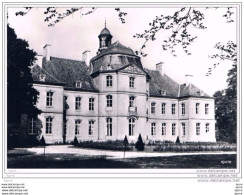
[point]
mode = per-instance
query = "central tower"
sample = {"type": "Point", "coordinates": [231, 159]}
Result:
{"type": "Point", "coordinates": [105, 39]}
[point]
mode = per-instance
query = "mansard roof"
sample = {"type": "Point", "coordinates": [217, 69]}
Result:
{"type": "Point", "coordinates": [115, 48]}
{"type": "Point", "coordinates": [159, 83]}
{"type": "Point", "coordinates": [65, 71]}
{"type": "Point", "coordinates": [163, 83]}
{"type": "Point", "coordinates": [192, 91]}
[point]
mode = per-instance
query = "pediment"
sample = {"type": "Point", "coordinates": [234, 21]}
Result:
{"type": "Point", "coordinates": [132, 69]}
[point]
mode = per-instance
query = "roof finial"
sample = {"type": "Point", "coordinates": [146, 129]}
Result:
{"type": "Point", "coordinates": [105, 22]}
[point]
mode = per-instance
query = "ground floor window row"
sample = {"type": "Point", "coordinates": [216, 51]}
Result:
{"type": "Point", "coordinates": [182, 128]}
{"type": "Point", "coordinates": [109, 127]}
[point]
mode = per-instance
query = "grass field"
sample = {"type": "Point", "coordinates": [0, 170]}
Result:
{"type": "Point", "coordinates": [28, 160]}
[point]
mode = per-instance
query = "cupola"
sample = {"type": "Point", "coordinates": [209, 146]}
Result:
{"type": "Point", "coordinates": [105, 39]}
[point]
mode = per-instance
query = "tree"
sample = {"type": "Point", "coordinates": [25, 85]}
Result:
{"type": "Point", "coordinates": [76, 143]}
{"type": "Point", "coordinates": [226, 100]}
{"type": "Point", "coordinates": [21, 94]}
{"type": "Point", "coordinates": [177, 140]}
{"type": "Point", "coordinates": [139, 144]}
{"type": "Point", "coordinates": [179, 23]}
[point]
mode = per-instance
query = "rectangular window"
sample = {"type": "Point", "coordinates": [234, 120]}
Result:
{"type": "Point", "coordinates": [109, 79]}
{"type": "Point", "coordinates": [109, 101]}
{"type": "Point", "coordinates": [132, 82]}
{"type": "Point", "coordinates": [77, 127]}
{"type": "Point", "coordinates": [197, 128]}
{"type": "Point", "coordinates": [131, 101]}
{"type": "Point", "coordinates": [207, 127]}
{"type": "Point", "coordinates": [131, 126]}
{"type": "Point", "coordinates": [163, 108]}
{"type": "Point", "coordinates": [109, 126]}
{"type": "Point", "coordinates": [173, 128]}
{"type": "Point", "coordinates": [197, 108]}
{"type": "Point", "coordinates": [78, 103]}
{"type": "Point", "coordinates": [91, 128]}
{"type": "Point", "coordinates": [49, 100]}
{"type": "Point", "coordinates": [153, 104]}
{"type": "Point", "coordinates": [173, 109]}
{"type": "Point", "coordinates": [91, 103]}
{"type": "Point", "coordinates": [206, 108]}
{"type": "Point", "coordinates": [153, 128]}
{"type": "Point", "coordinates": [49, 125]}
{"type": "Point", "coordinates": [31, 126]}
{"type": "Point", "coordinates": [163, 128]}
{"type": "Point", "coordinates": [183, 129]}
{"type": "Point", "coordinates": [183, 109]}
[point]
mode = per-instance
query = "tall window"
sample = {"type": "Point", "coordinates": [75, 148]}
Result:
{"type": "Point", "coordinates": [31, 126]}
{"type": "Point", "coordinates": [183, 109]}
{"type": "Point", "coordinates": [207, 127]}
{"type": "Point", "coordinates": [49, 99]}
{"type": "Point", "coordinates": [77, 103]}
{"type": "Point", "coordinates": [91, 103]}
{"type": "Point", "coordinates": [109, 126]}
{"type": "Point", "coordinates": [131, 126]}
{"type": "Point", "coordinates": [77, 127]}
{"type": "Point", "coordinates": [163, 108]}
{"type": "Point", "coordinates": [153, 109]}
{"type": "Point", "coordinates": [173, 128]}
{"type": "Point", "coordinates": [197, 128]}
{"type": "Point", "coordinates": [197, 108]}
{"type": "Point", "coordinates": [163, 128]}
{"type": "Point", "coordinates": [206, 108]}
{"type": "Point", "coordinates": [109, 101]}
{"type": "Point", "coordinates": [109, 80]}
{"type": "Point", "coordinates": [132, 82]}
{"type": "Point", "coordinates": [183, 129]}
{"type": "Point", "coordinates": [173, 108]}
{"type": "Point", "coordinates": [131, 101]}
{"type": "Point", "coordinates": [153, 128]}
{"type": "Point", "coordinates": [91, 127]}
{"type": "Point", "coordinates": [49, 125]}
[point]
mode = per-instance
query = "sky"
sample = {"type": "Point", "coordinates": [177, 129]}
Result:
{"type": "Point", "coordinates": [77, 33]}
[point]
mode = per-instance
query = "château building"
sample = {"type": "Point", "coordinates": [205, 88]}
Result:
{"type": "Point", "coordinates": [113, 95]}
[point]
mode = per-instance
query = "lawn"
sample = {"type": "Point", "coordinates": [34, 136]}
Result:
{"type": "Point", "coordinates": [52, 161]}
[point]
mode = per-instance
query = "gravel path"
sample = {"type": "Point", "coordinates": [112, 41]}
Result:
{"type": "Point", "coordinates": [69, 149]}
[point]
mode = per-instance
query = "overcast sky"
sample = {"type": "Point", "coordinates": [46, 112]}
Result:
{"type": "Point", "coordinates": [77, 33]}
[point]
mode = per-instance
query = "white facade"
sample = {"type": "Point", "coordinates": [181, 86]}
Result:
{"type": "Point", "coordinates": [122, 106]}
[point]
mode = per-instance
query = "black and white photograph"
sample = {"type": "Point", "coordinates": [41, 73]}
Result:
{"type": "Point", "coordinates": [121, 87]}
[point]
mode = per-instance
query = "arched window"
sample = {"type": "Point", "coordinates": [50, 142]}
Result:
{"type": "Point", "coordinates": [109, 81]}
{"type": "Point", "coordinates": [131, 126]}
{"type": "Point", "coordinates": [109, 126]}
{"type": "Point", "coordinates": [109, 100]}
{"type": "Point", "coordinates": [131, 101]}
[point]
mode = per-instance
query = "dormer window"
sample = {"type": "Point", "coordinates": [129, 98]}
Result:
{"type": "Point", "coordinates": [42, 77]}
{"type": "Point", "coordinates": [198, 92]}
{"type": "Point", "coordinates": [162, 92]}
{"type": "Point", "coordinates": [109, 67]}
{"type": "Point", "coordinates": [78, 84]}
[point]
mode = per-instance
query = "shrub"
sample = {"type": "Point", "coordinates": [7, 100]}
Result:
{"type": "Point", "coordinates": [42, 142]}
{"type": "Point", "coordinates": [139, 144]}
{"type": "Point", "coordinates": [126, 143]}
{"type": "Point", "coordinates": [177, 140]}
{"type": "Point", "coordinates": [117, 145]}
{"type": "Point", "coordinates": [76, 143]}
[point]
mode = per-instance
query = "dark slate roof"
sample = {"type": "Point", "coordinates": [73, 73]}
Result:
{"type": "Point", "coordinates": [115, 48]}
{"type": "Point", "coordinates": [162, 82]}
{"type": "Point", "coordinates": [192, 90]}
{"type": "Point", "coordinates": [65, 71]}
{"type": "Point", "coordinates": [105, 31]}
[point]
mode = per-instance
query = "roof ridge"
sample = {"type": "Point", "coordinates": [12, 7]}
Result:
{"type": "Point", "coordinates": [66, 59]}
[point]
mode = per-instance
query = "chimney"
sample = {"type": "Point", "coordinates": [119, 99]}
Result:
{"type": "Point", "coordinates": [39, 60]}
{"type": "Point", "coordinates": [86, 57]}
{"type": "Point", "coordinates": [188, 79]}
{"type": "Point", "coordinates": [159, 68]}
{"type": "Point", "coordinates": [47, 52]}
